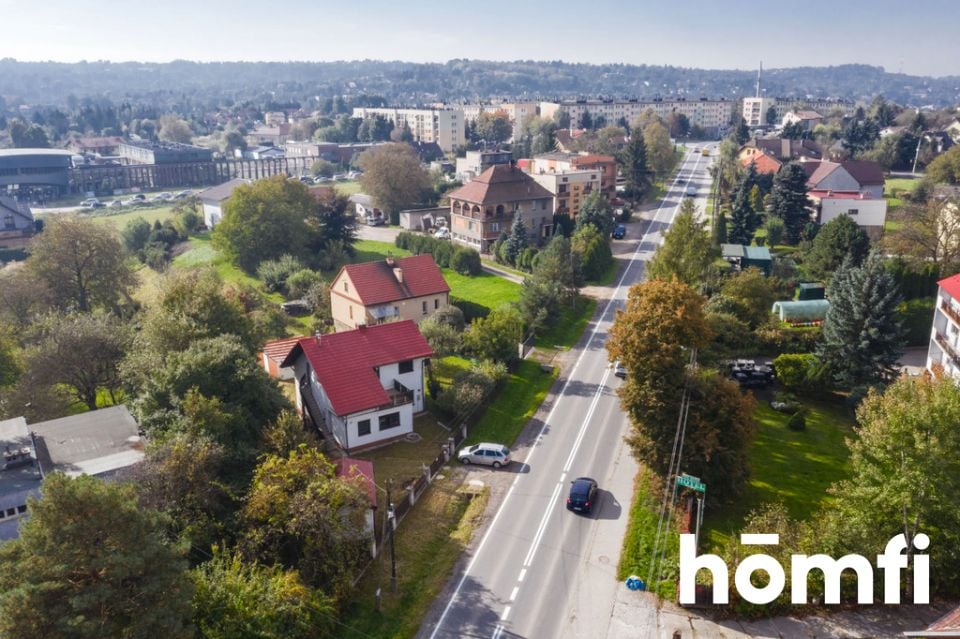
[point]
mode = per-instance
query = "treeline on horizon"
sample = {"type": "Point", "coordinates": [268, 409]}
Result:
{"type": "Point", "coordinates": [302, 83]}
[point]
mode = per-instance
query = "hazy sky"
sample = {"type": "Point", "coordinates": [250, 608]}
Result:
{"type": "Point", "coordinates": [916, 36]}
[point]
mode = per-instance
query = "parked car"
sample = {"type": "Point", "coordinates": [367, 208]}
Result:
{"type": "Point", "coordinates": [373, 220]}
{"type": "Point", "coordinates": [495, 455]}
{"type": "Point", "coordinates": [691, 191]}
{"type": "Point", "coordinates": [443, 233]}
{"type": "Point", "coordinates": [306, 179]}
{"type": "Point", "coordinates": [139, 197]}
{"type": "Point", "coordinates": [620, 370]}
{"type": "Point", "coordinates": [116, 204]}
{"type": "Point", "coordinates": [183, 194]}
{"type": "Point", "coordinates": [619, 232]}
{"type": "Point", "coordinates": [90, 202]}
{"type": "Point", "coordinates": [583, 495]}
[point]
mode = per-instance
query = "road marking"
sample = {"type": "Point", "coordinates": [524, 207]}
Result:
{"type": "Point", "coordinates": [586, 421]}
{"type": "Point", "coordinates": [523, 573]}
{"type": "Point", "coordinates": [513, 595]}
{"type": "Point", "coordinates": [563, 390]}
{"type": "Point", "coordinates": [497, 632]}
{"type": "Point", "coordinates": [506, 613]}
{"type": "Point", "coordinates": [542, 527]}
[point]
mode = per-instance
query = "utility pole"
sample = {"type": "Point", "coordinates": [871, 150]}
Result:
{"type": "Point", "coordinates": [392, 524]}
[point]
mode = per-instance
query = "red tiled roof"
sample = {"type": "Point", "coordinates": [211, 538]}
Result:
{"type": "Point", "coordinates": [499, 184]}
{"type": "Point", "coordinates": [763, 162]}
{"type": "Point", "coordinates": [279, 349]}
{"type": "Point", "coordinates": [951, 285]}
{"type": "Point", "coordinates": [948, 622]}
{"type": "Point", "coordinates": [344, 362]}
{"type": "Point", "coordinates": [592, 159]}
{"type": "Point", "coordinates": [362, 468]}
{"type": "Point", "coordinates": [376, 283]}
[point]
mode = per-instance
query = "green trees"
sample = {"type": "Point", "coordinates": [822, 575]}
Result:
{"type": "Point", "coordinates": [788, 201]}
{"type": "Point", "coordinates": [236, 599]}
{"type": "Point", "coordinates": [331, 226]}
{"type": "Point", "coordinates": [905, 477]}
{"type": "Point", "coordinates": [752, 295]}
{"type": "Point", "coordinates": [633, 162]}
{"type": "Point", "coordinates": [392, 175]}
{"type": "Point", "coordinates": [494, 128]}
{"type": "Point", "coordinates": [496, 336]}
{"type": "Point", "coordinates": [860, 135]}
{"type": "Point", "coordinates": [660, 153]}
{"type": "Point", "coordinates": [836, 240]}
{"type": "Point", "coordinates": [90, 562]}
{"type": "Point", "coordinates": [686, 251]}
{"type": "Point", "coordinates": [945, 169]}
{"type": "Point", "coordinates": [174, 129]}
{"type": "Point", "coordinates": [862, 338]}
{"type": "Point", "coordinates": [516, 241]}
{"type": "Point", "coordinates": [596, 212]}
{"type": "Point", "coordinates": [594, 251]}
{"type": "Point", "coordinates": [264, 220]}
{"type": "Point", "coordinates": [552, 285]}
{"type": "Point", "coordinates": [82, 264]}
{"type": "Point", "coordinates": [300, 515]}
{"type": "Point", "coordinates": [744, 216]}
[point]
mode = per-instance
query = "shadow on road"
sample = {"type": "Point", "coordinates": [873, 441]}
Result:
{"type": "Point", "coordinates": [610, 507]}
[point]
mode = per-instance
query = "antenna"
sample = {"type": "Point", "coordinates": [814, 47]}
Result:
{"type": "Point", "coordinates": [759, 73]}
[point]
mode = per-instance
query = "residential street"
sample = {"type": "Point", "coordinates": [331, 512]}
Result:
{"type": "Point", "coordinates": [538, 570]}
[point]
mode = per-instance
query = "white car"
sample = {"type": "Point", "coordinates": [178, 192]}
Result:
{"type": "Point", "coordinates": [443, 233]}
{"type": "Point", "coordinates": [90, 202]}
{"type": "Point", "coordinates": [495, 455]}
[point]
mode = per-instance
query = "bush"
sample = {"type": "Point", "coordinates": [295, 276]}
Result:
{"type": "Point", "coordinates": [797, 421]}
{"type": "Point", "coordinates": [450, 315]}
{"type": "Point", "coordinates": [300, 283]}
{"type": "Point", "coordinates": [135, 234]}
{"type": "Point", "coordinates": [274, 273]}
{"type": "Point", "coordinates": [467, 392]}
{"type": "Point", "coordinates": [12, 255]}
{"type": "Point", "coordinates": [527, 258]}
{"type": "Point", "coordinates": [797, 370]}
{"type": "Point", "coordinates": [465, 261]}
{"type": "Point", "coordinates": [775, 339]}
{"type": "Point", "coordinates": [775, 230]}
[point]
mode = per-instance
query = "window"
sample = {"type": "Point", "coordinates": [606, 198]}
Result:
{"type": "Point", "coordinates": [346, 287]}
{"type": "Point", "coordinates": [424, 307]}
{"type": "Point", "coordinates": [351, 311]}
{"type": "Point", "coordinates": [406, 366]}
{"type": "Point", "coordinates": [436, 303]}
{"type": "Point", "coordinates": [391, 420]}
{"type": "Point", "coordinates": [22, 509]}
{"type": "Point", "coordinates": [363, 427]}
{"type": "Point", "coordinates": [8, 221]}
{"type": "Point", "coordinates": [852, 211]}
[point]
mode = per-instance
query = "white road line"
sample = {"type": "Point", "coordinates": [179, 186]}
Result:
{"type": "Point", "coordinates": [542, 527]}
{"type": "Point", "coordinates": [563, 390]}
{"type": "Point", "coordinates": [497, 632]}
{"type": "Point", "coordinates": [513, 595]}
{"type": "Point", "coordinates": [586, 421]}
{"type": "Point", "coordinates": [506, 613]}
{"type": "Point", "coordinates": [523, 573]}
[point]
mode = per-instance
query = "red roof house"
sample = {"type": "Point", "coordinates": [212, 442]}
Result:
{"type": "Point", "coordinates": [274, 353]}
{"type": "Point", "coordinates": [362, 469]}
{"type": "Point", "coordinates": [361, 387]}
{"type": "Point", "coordinates": [405, 287]}
{"type": "Point", "coordinates": [763, 162]}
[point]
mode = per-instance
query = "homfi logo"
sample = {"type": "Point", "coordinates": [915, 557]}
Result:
{"type": "Point", "coordinates": [893, 561]}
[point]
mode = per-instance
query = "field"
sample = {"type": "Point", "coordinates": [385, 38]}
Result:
{"type": "Point", "coordinates": [122, 218]}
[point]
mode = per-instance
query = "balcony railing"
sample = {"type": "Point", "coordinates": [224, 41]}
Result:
{"type": "Point", "coordinates": [947, 348]}
{"type": "Point", "coordinates": [949, 312]}
{"type": "Point", "coordinates": [399, 394]}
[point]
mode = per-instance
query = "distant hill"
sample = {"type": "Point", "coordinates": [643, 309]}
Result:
{"type": "Point", "coordinates": [409, 83]}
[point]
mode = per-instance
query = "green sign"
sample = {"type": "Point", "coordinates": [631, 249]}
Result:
{"type": "Point", "coordinates": [691, 482]}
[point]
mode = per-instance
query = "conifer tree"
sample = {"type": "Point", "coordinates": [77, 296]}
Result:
{"type": "Point", "coordinates": [634, 161]}
{"type": "Point", "coordinates": [517, 241]}
{"type": "Point", "coordinates": [862, 338]}
{"type": "Point", "coordinates": [788, 201]}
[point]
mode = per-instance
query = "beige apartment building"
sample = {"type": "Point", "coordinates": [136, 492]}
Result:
{"type": "Point", "coordinates": [569, 188]}
{"type": "Point", "coordinates": [516, 111]}
{"type": "Point", "coordinates": [404, 288]}
{"type": "Point", "coordinates": [444, 126]}
{"type": "Point", "coordinates": [755, 109]}
{"type": "Point", "coordinates": [713, 116]}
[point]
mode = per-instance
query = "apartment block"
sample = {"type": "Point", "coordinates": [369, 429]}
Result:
{"type": "Point", "coordinates": [944, 349]}
{"type": "Point", "coordinates": [444, 126]}
{"type": "Point", "coordinates": [711, 115]}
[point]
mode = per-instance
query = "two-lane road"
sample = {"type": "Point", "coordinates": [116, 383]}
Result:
{"type": "Point", "coordinates": [526, 577]}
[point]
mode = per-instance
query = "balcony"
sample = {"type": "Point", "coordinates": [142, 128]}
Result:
{"type": "Point", "coordinates": [399, 394]}
{"type": "Point", "coordinates": [949, 312]}
{"type": "Point", "coordinates": [951, 352]}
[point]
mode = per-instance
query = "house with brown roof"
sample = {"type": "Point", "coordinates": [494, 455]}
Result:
{"type": "Point", "coordinates": [486, 206]}
{"type": "Point", "coordinates": [406, 288]}
{"type": "Point", "coordinates": [806, 119]}
{"type": "Point", "coordinates": [763, 163]}
{"type": "Point", "coordinates": [849, 176]}
{"type": "Point", "coordinates": [361, 388]}
{"type": "Point", "coordinates": [274, 353]}
{"type": "Point", "coordinates": [215, 197]}
{"type": "Point", "coordinates": [782, 149]}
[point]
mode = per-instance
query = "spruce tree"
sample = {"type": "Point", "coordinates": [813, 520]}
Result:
{"type": "Point", "coordinates": [788, 201]}
{"type": "Point", "coordinates": [743, 220]}
{"type": "Point", "coordinates": [634, 161]}
{"type": "Point", "coordinates": [862, 338]}
{"type": "Point", "coordinates": [720, 232]}
{"type": "Point", "coordinates": [517, 241]}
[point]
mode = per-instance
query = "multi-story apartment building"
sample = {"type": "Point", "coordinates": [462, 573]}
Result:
{"type": "Point", "coordinates": [755, 108]}
{"type": "Point", "coordinates": [569, 188]}
{"type": "Point", "coordinates": [486, 206]}
{"type": "Point", "coordinates": [944, 349]}
{"type": "Point", "coordinates": [476, 162]}
{"type": "Point", "coordinates": [605, 165]}
{"type": "Point", "coordinates": [713, 116]}
{"type": "Point", "coordinates": [516, 111]}
{"type": "Point", "coordinates": [444, 126]}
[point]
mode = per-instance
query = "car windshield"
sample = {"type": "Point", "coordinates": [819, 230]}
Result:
{"type": "Point", "coordinates": [474, 448]}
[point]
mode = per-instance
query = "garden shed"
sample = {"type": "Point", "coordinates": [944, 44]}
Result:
{"type": "Point", "coordinates": [801, 311]}
{"type": "Point", "coordinates": [743, 257]}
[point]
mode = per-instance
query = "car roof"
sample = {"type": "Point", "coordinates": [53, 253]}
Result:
{"type": "Point", "coordinates": [583, 480]}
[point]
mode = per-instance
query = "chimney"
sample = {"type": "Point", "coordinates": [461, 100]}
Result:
{"type": "Point", "coordinates": [390, 261]}
{"type": "Point", "coordinates": [398, 273]}
{"type": "Point", "coordinates": [316, 335]}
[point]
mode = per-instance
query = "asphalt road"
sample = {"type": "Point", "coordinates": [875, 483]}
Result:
{"type": "Point", "coordinates": [532, 574]}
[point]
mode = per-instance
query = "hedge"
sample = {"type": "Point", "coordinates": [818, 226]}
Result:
{"type": "Point", "coordinates": [463, 260]}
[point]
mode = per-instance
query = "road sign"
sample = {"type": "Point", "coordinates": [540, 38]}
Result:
{"type": "Point", "coordinates": [691, 482]}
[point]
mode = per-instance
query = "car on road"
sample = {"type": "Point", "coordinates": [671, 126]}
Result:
{"type": "Point", "coordinates": [620, 370]}
{"type": "Point", "coordinates": [183, 194]}
{"type": "Point", "coordinates": [619, 232]}
{"type": "Point", "coordinates": [691, 191]}
{"type": "Point", "coordinates": [495, 455]}
{"type": "Point", "coordinates": [373, 220]}
{"type": "Point", "coordinates": [583, 495]}
{"type": "Point", "coordinates": [90, 203]}
{"type": "Point", "coordinates": [140, 197]}
{"type": "Point", "coordinates": [443, 233]}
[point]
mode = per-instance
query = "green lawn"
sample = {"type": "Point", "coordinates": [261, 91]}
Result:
{"type": "Point", "coordinates": [372, 250]}
{"type": "Point", "coordinates": [641, 534]}
{"type": "Point", "coordinates": [202, 253]}
{"type": "Point", "coordinates": [346, 188]}
{"type": "Point", "coordinates": [121, 219]}
{"type": "Point", "coordinates": [513, 406]}
{"type": "Point", "coordinates": [568, 330]}
{"type": "Point", "coordinates": [796, 468]}
{"type": "Point", "coordinates": [896, 184]}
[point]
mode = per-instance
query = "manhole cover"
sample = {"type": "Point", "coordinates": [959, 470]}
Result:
{"type": "Point", "coordinates": [413, 438]}
{"type": "Point", "coordinates": [603, 559]}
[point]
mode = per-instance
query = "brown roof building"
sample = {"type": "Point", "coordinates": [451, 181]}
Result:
{"type": "Point", "coordinates": [487, 205]}
{"type": "Point", "coordinates": [782, 149]}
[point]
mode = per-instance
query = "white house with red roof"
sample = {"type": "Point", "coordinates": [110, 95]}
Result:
{"type": "Point", "coordinates": [944, 349]}
{"type": "Point", "coordinates": [274, 353]}
{"type": "Point", "coordinates": [407, 288]}
{"type": "Point", "coordinates": [361, 387]}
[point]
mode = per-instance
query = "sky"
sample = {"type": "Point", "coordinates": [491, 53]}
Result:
{"type": "Point", "coordinates": [713, 34]}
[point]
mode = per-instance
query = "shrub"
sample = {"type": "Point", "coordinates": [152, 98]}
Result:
{"type": "Point", "coordinates": [775, 230]}
{"type": "Point", "coordinates": [467, 392]}
{"type": "Point", "coordinates": [298, 284]}
{"type": "Point", "coordinates": [915, 317]}
{"type": "Point", "coordinates": [465, 261]}
{"type": "Point", "coordinates": [796, 370]}
{"type": "Point", "coordinates": [774, 339]}
{"type": "Point", "coordinates": [450, 315]}
{"type": "Point", "coordinates": [274, 273]}
{"type": "Point", "coordinates": [797, 421]}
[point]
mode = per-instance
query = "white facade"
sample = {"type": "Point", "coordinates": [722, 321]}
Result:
{"type": "Point", "coordinates": [868, 213]}
{"type": "Point", "coordinates": [366, 428]}
{"type": "Point", "coordinates": [755, 111]}
{"type": "Point", "coordinates": [445, 126]}
{"type": "Point", "coordinates": [944, 349]}
{"type": "Point", "coordinates": [710, 115]}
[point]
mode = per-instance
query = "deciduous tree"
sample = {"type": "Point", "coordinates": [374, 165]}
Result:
{"type": "Point", "coordinates": [392, 175]}
{"type": "Point", "coordinates": [686, 251]}
{"type": "Point", "coordinates": [836, 240]}
{"type": "Point", "coordinates": [596, 211]}
{"type": "Point", "coordinates": [496, 336]}
{"type": "Point", "coordinates": [660, 154]}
